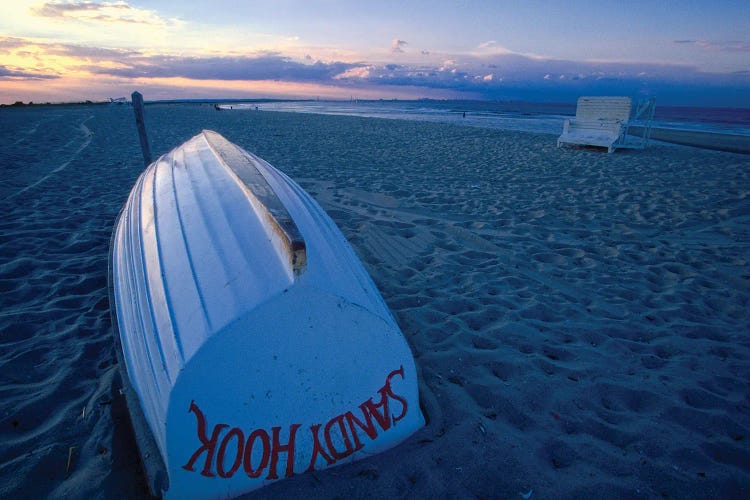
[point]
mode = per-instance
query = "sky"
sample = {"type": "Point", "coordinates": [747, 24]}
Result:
{"type": "Point", "coordinates": [683, 52]}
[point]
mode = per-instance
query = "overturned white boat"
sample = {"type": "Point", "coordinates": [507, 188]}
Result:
{"type": "Point", "coordinates": [252, 342]}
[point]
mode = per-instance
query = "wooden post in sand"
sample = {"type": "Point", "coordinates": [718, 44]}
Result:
{"type": "Point", "coordinates": [138, 108]}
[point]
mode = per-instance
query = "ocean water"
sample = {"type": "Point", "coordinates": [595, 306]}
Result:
{"type": "Point", "coordinates": [545, 118]}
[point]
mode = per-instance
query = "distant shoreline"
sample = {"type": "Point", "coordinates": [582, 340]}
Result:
{"type": "Point", "coordinates": [731, 143]}
{"type": "Point", "coordinates": [30, 104]}
{"type": "Point", "coordinates": [20, 104]}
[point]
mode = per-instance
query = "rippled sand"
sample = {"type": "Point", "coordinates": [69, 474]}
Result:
{"type": "Point", "coordinates": [580, 319]}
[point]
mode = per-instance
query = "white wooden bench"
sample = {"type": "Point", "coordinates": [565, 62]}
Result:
{"type": "Point", "coordinates": [599, 121]}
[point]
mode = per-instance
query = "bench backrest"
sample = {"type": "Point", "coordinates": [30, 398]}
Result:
{"type": "Point", "coordinates": [603, 108]}
{"type": "Point", "coordinates": [599, 126]}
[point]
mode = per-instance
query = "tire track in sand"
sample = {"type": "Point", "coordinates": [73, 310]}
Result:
{"type": "Point", "coordinates": [87, 134]}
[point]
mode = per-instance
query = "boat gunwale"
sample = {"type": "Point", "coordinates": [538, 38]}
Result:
{"type": "Point", "coordinates": [242, 165]}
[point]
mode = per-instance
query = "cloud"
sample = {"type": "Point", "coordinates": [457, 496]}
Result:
{"type": "Point", "coordinates": [491, 47]}
{"type": "Point", "coordinates": [92, 53]}
{"type": "Point", "coordinates": [106, 12]}
{"type": "Point", "coordinates": [56, 9]}
{"type": "Point", "coordinates": [397, 45]}
{"type": "Point", "coordinates": [135, 64]}
{"type": "Point", "coordinates": [520, 75]}
{"type": "Point", "coordinates": [491, 44]}
{"type": "Point", "coordinates": [262, 66]}
{"type": "Point", "coordinates": [718, 46]}
{"type": "Point", "coordinates": [487, 75]}
{"type": "Point", "coordinates": [360, 72]}
{"type": "Point", "coordinates": [12, 43]}
{"type": "Point", "coordinates": [11, 74]}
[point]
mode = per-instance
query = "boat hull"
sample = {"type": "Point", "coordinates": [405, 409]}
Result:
{"type": "Point", "coordinates": [253, 341]}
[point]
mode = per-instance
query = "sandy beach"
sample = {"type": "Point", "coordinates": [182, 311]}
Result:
{"type": "Point", "coordinates": [580, 320]}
